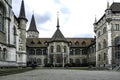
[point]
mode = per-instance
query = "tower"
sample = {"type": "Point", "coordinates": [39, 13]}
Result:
{"type": "Point", "coordinates": [32, 32]}
{"type": "Point", "coordinates": [22, 36]}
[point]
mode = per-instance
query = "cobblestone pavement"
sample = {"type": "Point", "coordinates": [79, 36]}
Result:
{"type": "Point", "coordinates": [61, 74]}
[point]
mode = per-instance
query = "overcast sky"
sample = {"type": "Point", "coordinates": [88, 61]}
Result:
{"type": "Point", "coordinates": [76, 16]}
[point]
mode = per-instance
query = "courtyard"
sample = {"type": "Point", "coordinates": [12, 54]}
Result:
{"type": "Point", "coordinates": [63, 74]}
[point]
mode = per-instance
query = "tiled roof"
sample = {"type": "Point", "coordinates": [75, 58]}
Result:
{"type": "Point", "coordinates": [73, 42]}
{"type": "Point", "coordinates": [37, 42]}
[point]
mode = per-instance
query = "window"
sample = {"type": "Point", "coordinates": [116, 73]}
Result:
{"type": "Point", "coordinates": [32, 42]}
{"type": "Point", "coordinates": [71, 60]}
{"type": "Point", "coordinates": [104, 43]}
{"type": "Point", "coordinates": [58, 48]}
{"type": "Point", "coordinates": [65, 49]}
{"type": "Point", "coordinates": [77, 43]}
{"type": "Point", "coordinates": [71, 51]}
{"type": "Point", "coordinates": [77, 61]}
{"type": "Point", "coordinates": [83, 43]}
{"type": "Point", "coordinates": [32, 52]}
{"type": "Point", "coordinates": [105, 56]}
{"type": "Point", "coordinates": [99, 57]}
{"type": "Point", "coordinates": [38, 52]}
{"type": "Point", "coordinates": [4, 53]}
{"type": "Point", "coordinates": [99, 46]}
{"type": "Point", "coordinates": [104, 29]}
{"type": "Point", "coordinates": [1, 17]}
{"type": "Point", "coordinates": [38, 61]}
{"type": "Point", "coordinates": [77, 51]}
{"type": "Point", "coordinates": [117, 27]}
{"type": "Point", "coordinates": [39, 42]}
{"type": "Point", "coordinates": [14, 33]}
{"type": "Point", "coordinates": [99, 34]}
{"type": "Point", "coordinates": [51, 49]}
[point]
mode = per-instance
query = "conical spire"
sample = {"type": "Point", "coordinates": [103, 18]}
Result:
{"type": "Point", "coordinates": [22, 10]}
{"type": "Point", "coordinates": [58, 20]}
{"type": "Point", "coordinates": [33, 25]}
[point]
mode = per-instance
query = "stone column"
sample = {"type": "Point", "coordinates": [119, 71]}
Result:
{"type": "Point", "coordinates": [109, 43]}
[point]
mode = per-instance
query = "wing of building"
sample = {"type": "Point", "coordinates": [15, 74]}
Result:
{"type": "Point", "coordinates": [107, 30]}
{"type": "Point", "coordinates": [12, 35]}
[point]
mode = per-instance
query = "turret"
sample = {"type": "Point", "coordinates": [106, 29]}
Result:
{"type": "Point", "coordinates": [22, 26]}
{"type": "Point", "coordinates": [108, 13]}
{"type": "Point", "coordinates": [22, 36]}
{"type": "Point", "coordinates": [32, 32]}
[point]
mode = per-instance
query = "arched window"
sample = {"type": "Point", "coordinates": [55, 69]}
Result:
{"type": "Point", "coordinates": [2, 12]}
{"type": "Point", "coordinates": [51, 49]}
{"type": "Point", "coordinates": [99, 46]}
{"type": "Point", "coordinates": [104, 43]}
{"type": "Point", "coordinates": [65, 49]}
{"type": "Point", "coordinates": [38, 61]}
{"type": "Point", "coordinates": [32, 52]}
{"type": "Point", "coordinates": [104, 29]}
{"type": "Point", "coordinates": [83, 43]}
{"type": "Point", "coordinates": [38, 52]}
{"type": "Point", "coordinates": [77, 51]}
{"type": "Point", "coordinates": [58, 48]}
{"type": "Point", "coordinates": [77, 43]}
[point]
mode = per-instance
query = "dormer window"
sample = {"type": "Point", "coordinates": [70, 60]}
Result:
{"type": "Point", "coordinates": [83, 43]}
{"type": "Point", "coordinates": [32, 42]}
{"type": "Point", "coordinates": [77, 43]}
{"type": "Point", "coordinates": [39, 42]}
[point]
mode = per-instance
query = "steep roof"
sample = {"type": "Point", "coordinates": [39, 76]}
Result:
{"type": "Point", "coordinates": [22, 11]}
{"type": "Point", "coordinates": [32, 26]}
{"type": "Point", "coordinates": [58, 36]}
{"type": "Point", "coordinates": [115, 7]}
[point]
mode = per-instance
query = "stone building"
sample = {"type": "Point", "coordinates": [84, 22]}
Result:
{"type": "Point", "coordinates": [107, 30]}
{"type": "Point", "coordinates": [12, 35]}
{"type": "Point", "coordinates": [57, 50]}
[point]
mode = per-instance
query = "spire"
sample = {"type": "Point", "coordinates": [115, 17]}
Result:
{"type": "Point", "coordinates": [58, 20]}
{"type": "Point", "coordinates": [108, 6]}
{"type": "Point", "coordinates": [95, 19]}
{"type": "Point", "coordinates": [22, 11]}
{"type": "Point", "coordinates": [33, 24]}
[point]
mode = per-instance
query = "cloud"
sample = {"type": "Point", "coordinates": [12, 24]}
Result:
{"type": "Point", "coordinates": [42, 19]}
{"type": "Point", "coordinates": [86, 35]}
{"type": "Point", "coordinates": [65, 10]}
{"type": "Point", "coordinates": [57, 1]}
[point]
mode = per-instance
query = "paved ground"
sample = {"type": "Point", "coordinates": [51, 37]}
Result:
{"type": "Point", "coordinates": [61, 74]}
